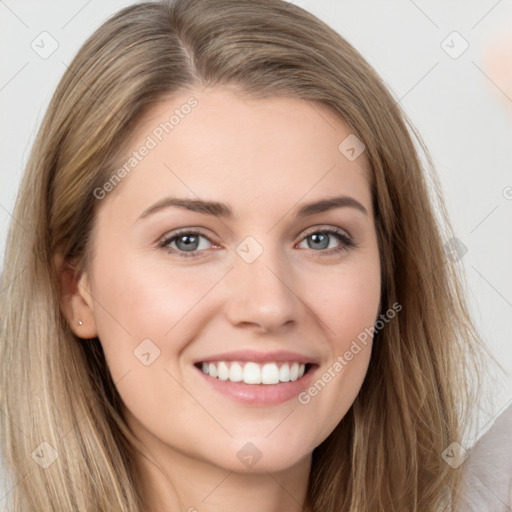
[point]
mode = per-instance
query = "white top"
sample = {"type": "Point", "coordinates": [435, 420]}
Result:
{"type": "Point", "coordinates": [488, 469]}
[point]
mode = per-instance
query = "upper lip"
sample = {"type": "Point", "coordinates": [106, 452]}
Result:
{"type": "Point", "coordinates": [280, 356]}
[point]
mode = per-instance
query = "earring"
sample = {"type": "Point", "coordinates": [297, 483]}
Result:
{"type": "Point", "coordinates": [79, 323]}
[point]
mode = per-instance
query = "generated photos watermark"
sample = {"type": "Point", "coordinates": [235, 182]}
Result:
{"type": "Point", "coordinates": [343, 360]}
{"type": "Point", "coordinates": [152, 140]}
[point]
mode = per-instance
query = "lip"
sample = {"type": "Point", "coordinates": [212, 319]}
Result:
{"type": "Point", "coordinates": [259, 395]}
{"type": "Point", "coordinates": [280, 356]}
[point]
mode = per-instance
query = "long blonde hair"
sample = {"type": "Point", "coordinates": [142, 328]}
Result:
{"type": "Point", "coordinates": [385, 454]}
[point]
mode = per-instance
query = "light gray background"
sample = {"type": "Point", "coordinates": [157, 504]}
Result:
{"type": "Point", "coordinates": [458, 106]}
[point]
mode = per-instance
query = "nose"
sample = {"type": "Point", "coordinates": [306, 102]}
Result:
{"type": "Point", "coordinates": [261, 294]}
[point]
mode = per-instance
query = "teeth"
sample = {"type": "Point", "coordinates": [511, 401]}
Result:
{"type": "Point", "coordinates": [254, 373]}
{"type": "Point", "coordinates": [284, 373]}
{"type": "Point", "coordinates": [212, 369]}
{"type": "Point", "coordinates": [294, 371]}
{"type": "Point", "coordinates": [270, 373]}
{"type": "Point", "coordinates": [223, 371]}
{"type": "Point", "coordinates": [236, 373]}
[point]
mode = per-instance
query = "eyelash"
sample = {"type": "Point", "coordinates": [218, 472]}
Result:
{"type": "Point", "coordinates": [347, 242]}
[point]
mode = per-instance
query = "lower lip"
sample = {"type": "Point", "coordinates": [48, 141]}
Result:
{"type": "Point", "coordinates": [260, 395]}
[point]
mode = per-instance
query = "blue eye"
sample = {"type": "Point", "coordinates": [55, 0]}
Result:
{"type": "Point", "coordinates": [320, 239]}
{"type": "Point", "coordinates": [188, 244]}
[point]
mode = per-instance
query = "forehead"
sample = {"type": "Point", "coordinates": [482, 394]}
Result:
{"type": "Point", "coordinates": [215, 144]}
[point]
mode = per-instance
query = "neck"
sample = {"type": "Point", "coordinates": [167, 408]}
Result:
{"type": "Point", "coordinates": [190, 485]}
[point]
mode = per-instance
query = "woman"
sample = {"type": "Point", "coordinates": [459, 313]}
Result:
{"type": "Point", "coordinates": [233, 290]}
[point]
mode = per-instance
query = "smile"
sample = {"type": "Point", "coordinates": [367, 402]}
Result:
{"type": "Point", "coordinates": [254, 373]}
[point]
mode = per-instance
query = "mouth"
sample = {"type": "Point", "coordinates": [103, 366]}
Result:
{"type": "Point", "coordinates": [252, 372]}
{"type": "Point", "coordinates": [255, 378]}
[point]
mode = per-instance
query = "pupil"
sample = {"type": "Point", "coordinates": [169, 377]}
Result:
{"type": "Point", "coordinates": [320, 237]}
{"type": "Point", "coordinates": [188, 240]}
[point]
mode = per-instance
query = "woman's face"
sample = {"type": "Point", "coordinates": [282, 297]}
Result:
{"type": "Point", "coordinates": [218, 250]}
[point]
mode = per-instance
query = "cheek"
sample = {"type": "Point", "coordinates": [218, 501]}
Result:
{"type": "Point", "coordinates": [353, 311]}
{"type": "Point", "coordinates": [346, 302]}
{"type": "Point", "coordinates": [146, 315]}
{"type": "Point", "coordinates": [137, 300]}
{"type": "Point", "coordinates": [347, 299]}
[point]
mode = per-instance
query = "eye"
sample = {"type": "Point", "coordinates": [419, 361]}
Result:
{"type": "Point", "coordinates": [321, 239]}
{"type": "Point", "coordinates": [189, 244]}
{"type": "Point", "coordinates": [186, 243]}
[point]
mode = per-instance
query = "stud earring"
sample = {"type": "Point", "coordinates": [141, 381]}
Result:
{"type": "Point", "coordinates": [79, 323]}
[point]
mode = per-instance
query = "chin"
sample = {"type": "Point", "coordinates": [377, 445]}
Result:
{"type": "Point", "coordinates": [260, 455]}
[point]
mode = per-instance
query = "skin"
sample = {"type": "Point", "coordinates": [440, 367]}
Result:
{"type": "Point", "coordinates": [264, 158]}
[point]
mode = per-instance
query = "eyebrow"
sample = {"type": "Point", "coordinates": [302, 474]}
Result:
{"type": "Point", "coordinates": [222, 210]}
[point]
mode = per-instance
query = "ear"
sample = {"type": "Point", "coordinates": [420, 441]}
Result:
{"type": "Point", "coordinates": [76, 300]}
